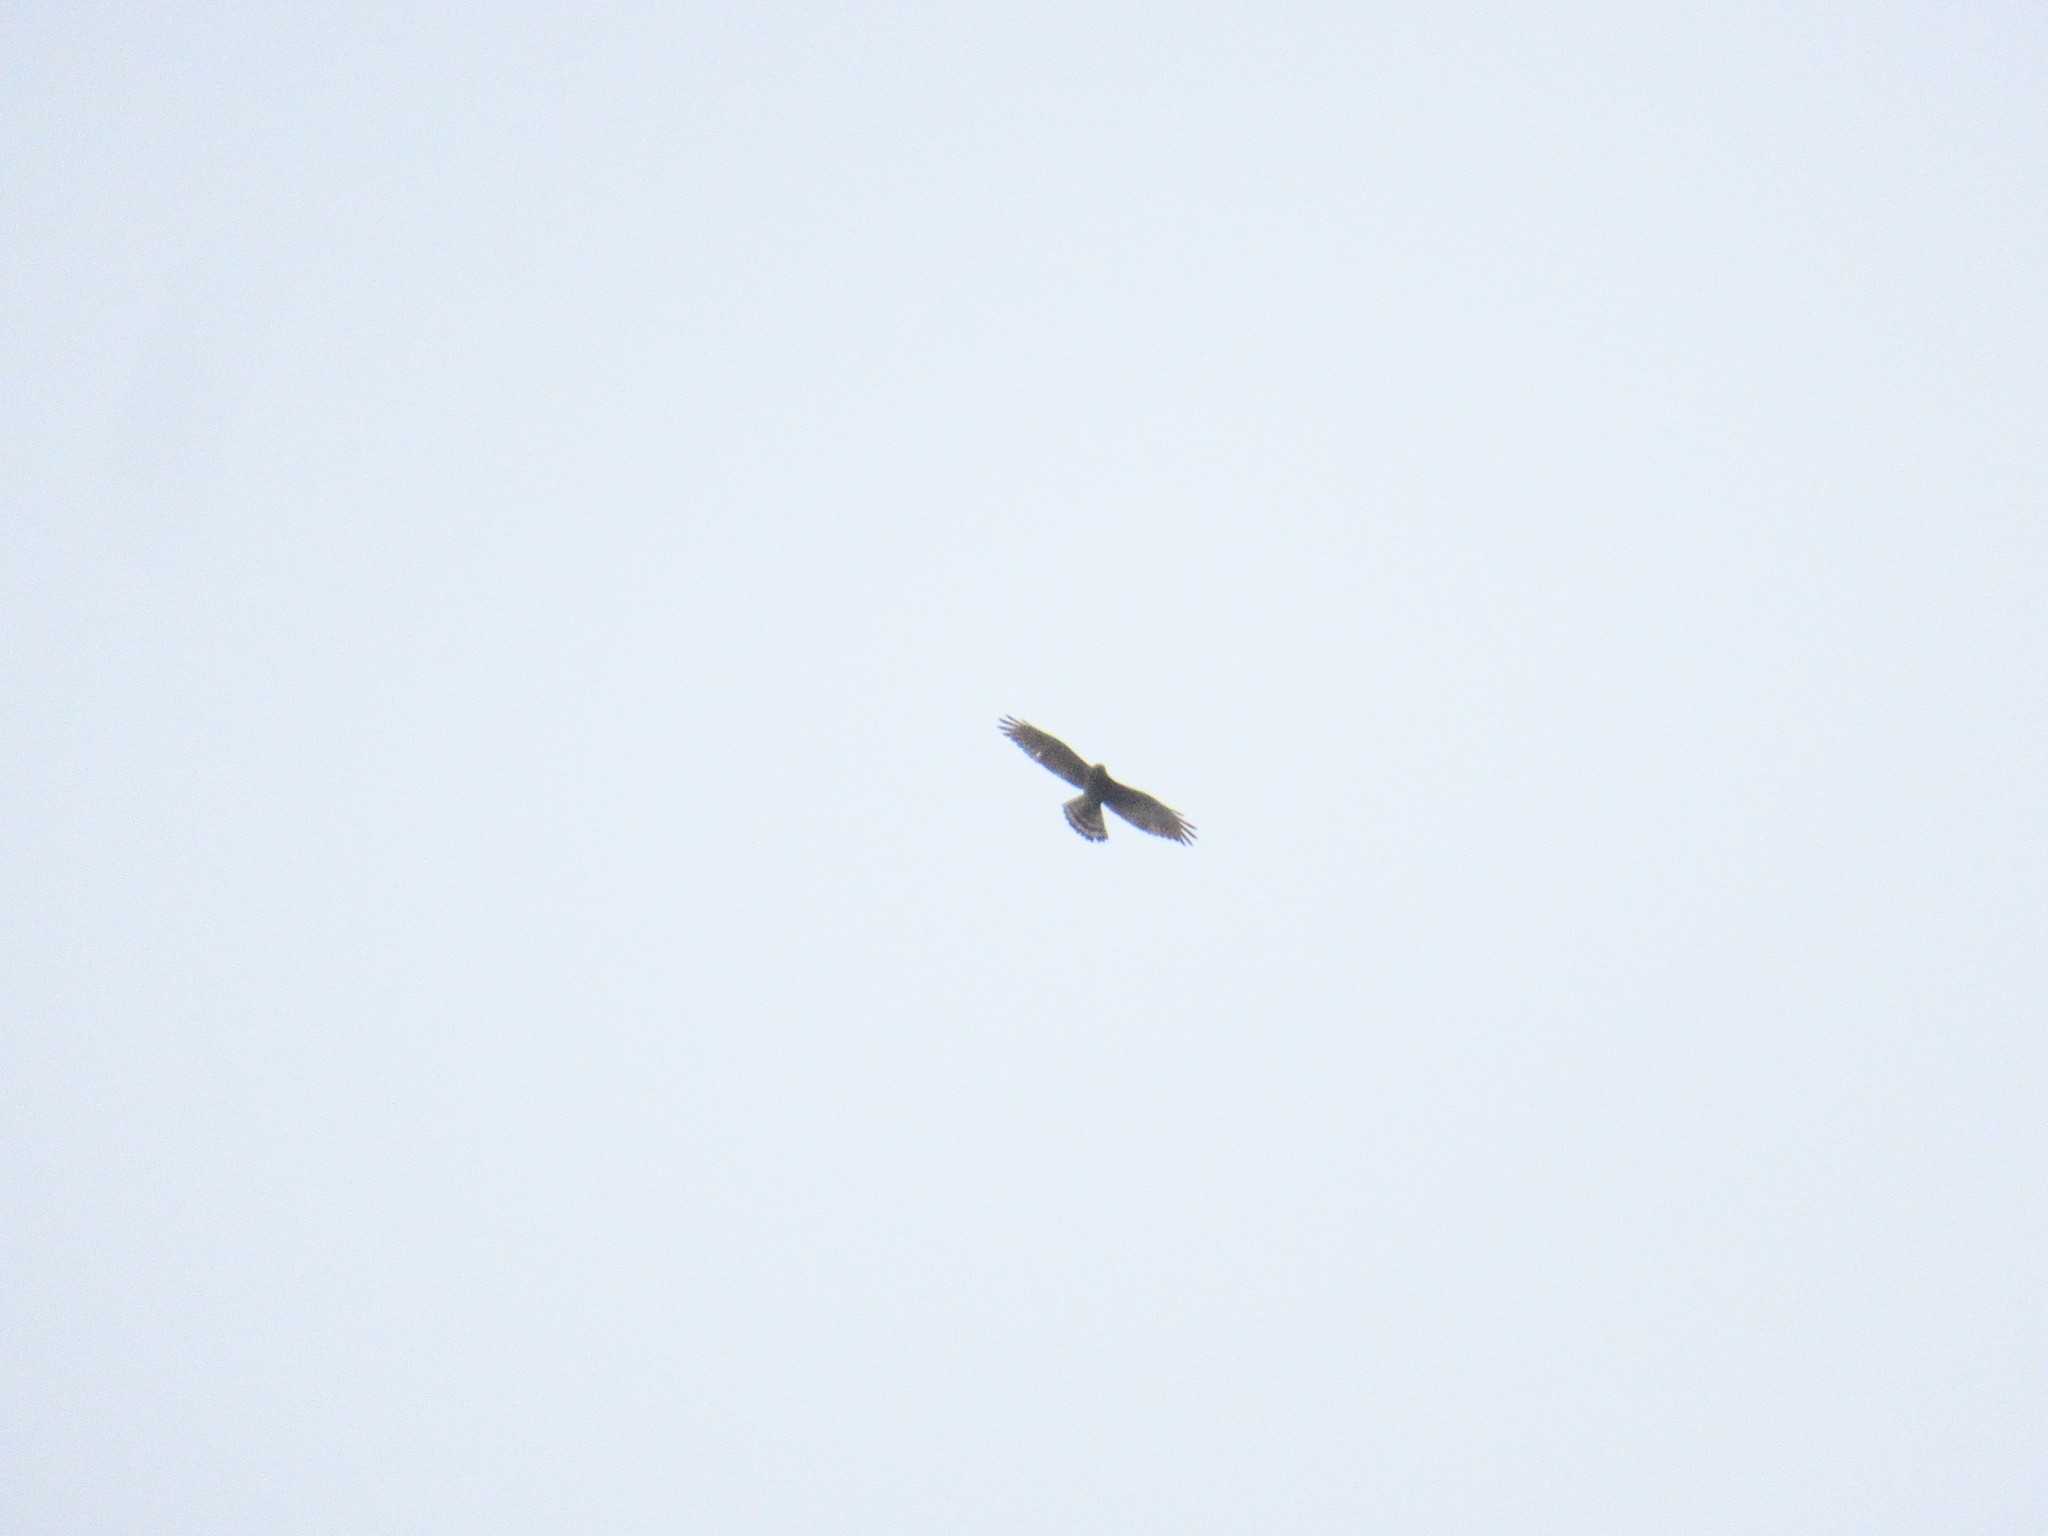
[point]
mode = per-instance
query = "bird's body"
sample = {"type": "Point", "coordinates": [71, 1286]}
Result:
{"type": "Point", "coordinates": [1084, 811]}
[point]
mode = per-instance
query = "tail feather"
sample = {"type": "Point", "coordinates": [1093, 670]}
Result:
{"type": "Point", "coordinates": [1084, 815]}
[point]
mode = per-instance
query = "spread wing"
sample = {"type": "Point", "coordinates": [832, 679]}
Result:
{"type": "Point", "coordinates": [1051, 752]}
{"type": "Point", "coordinates": [1147, 814]}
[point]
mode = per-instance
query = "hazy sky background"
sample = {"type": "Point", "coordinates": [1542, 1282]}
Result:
{"type": "Point", "coordinates": [536, 998]}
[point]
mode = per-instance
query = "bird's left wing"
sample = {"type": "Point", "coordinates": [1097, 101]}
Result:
{"type": "Point", "coordinates": [1048, 750]}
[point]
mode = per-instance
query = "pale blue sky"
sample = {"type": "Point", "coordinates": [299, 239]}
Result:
{"type": "Point", "coordinates": [537, 999]}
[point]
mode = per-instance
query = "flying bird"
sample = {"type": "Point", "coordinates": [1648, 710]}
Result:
{"type": "Point", "coordinates": [1084, 811]}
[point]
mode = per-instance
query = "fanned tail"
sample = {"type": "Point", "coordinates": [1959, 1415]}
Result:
{"type": "Point", "coordinates": [1084, 815]}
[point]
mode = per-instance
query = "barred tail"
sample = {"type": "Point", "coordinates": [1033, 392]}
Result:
{"type": "Point", "coordinates": [1084, 815]}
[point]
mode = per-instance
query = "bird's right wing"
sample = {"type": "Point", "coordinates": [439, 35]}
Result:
{"type": "Point", "coordinates": [1047, 750]}
{"type": "Point", "coordinates": [1149, 815]}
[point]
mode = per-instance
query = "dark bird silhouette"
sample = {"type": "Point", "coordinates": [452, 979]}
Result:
{"type": "Point", "coordinates": [1084, 811]}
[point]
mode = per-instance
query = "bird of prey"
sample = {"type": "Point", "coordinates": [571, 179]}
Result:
{"type": "Point", "coordinates": [1084, 811]}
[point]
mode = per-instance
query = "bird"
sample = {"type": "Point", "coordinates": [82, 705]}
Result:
{"type": "Point", "coordinates": [1084, 811]}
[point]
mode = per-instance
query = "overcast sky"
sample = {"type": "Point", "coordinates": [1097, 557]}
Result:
{"type": "Point", "coordinates": [537, 999]}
